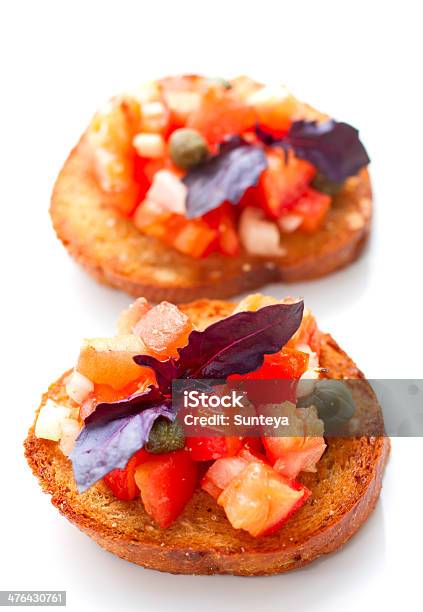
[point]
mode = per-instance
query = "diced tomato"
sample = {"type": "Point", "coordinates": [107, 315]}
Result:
{"type": "Point", "coordinates": [189, 236]}
{"type": "Point", "coordinates": [221, 473]}
{"type": "Point", "coordinates": [222, 219]}
{"type": "Point", "coordinates": [293, 454]}
{"type": "Point", "coordinates": [275, 107]}
{"type": "Point", "coordinates": [122, 481]}
{"type": "Point", "coordinates": [130, 317]}
{"type": "Point", "coordinates": [252, 451]}
{"type": "Point", "coordinates": [149, 167]}
{"type": "Point", "coordinates": [207, 448]}
{"type": "Point", "coordinates": [283, 181]}
{"type": "Point", "coordinates": [287, 364]}
{"type": "Point", "coordinates": [252, 197]}
{"type": "Point", "coordinates": [167, 482]}
{"type": "Point", "coordinates": [164, 329]}
{"type": "Point", "coordinates": [254, 444]}
{"type": "Point", "coordinates": [260, 501]}
{"type": "Point", "coordinates": [182, 95]}
{"type": "Point", "coordinates": [109, 361]}
{"type": "Point", "coordinates": [312, 206]}
{"type": "Point", "coordinates": [193, 238]}
{"type": "Point", "coordinates": [221, 114]}
{"type": "Point", "coordinates": [287, 367]}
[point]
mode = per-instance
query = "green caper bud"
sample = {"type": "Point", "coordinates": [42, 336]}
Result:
{"type": "Point", "coordinates": [165, 436]}
{"type": "Point", "coordinates": [334, 403]}
{"type": "Point", "coordinates": [221, 82]}
{"type": "Point", "coordinates": [187, 148]}
{"type": "Point", "coordinates": [324, 185]}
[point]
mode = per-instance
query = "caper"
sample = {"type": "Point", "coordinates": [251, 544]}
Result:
{"type": "Point", "coordinates": [334, 403]}
{"type": "Point", "coordinates": [187, 148]}
{"type": "Point", "coordinates": [221, 82]}
{"type": "Point", "coordinates": [324, 185]}
{"type": "Point", "coordinates": [165, 436]}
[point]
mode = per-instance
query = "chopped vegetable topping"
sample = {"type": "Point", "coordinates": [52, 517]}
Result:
{"type": "Point", "coordinates": [179, 149]}
{"type": "Point", "coordinates": [224, 178]}
{"type": "Point", "coordinates": [260, 500]}
{"type": "Point", "coordinates": [221, 114]}
{"type": "Point", "coordinates": [109, 361]}
{"type": "Point", "coordinates": [275, 108]}
{"type": "Point", "coordinates": [164, 329]}
{"type": "Point", "coordinates": [165, 436]}
{"type": "Point", "coordinates": [132, 440]}
{"type": "Point", "coordinates": [187, 148]}
{"type": "Point", "coordinates": [167, 483]}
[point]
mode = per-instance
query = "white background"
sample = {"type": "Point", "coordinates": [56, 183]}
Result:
{"type": "Point", "coordinates": [361, 62]}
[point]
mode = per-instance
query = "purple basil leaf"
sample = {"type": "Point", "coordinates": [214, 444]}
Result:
{"type": "Point", "coordinates": [237, 344]}
{"type": "Point", "coordinates": [109, 411]}
{"type": "Point", "coordinates": [100, 448]}
{"type": "Point", "coordinates": [165, 371]}
{"type": "Point", "coordinates": [223, 178]}
{"type": "Point", "coordinates": [333, 147]}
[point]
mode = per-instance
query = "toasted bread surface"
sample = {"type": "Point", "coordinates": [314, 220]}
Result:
{"type": "Point", "coordinates": [344, 489]}
{"type": "Point", "coordinates": [110, 247]}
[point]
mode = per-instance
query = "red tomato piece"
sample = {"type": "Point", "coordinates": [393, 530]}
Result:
{"type": "Point", "coordinates": [222, 219]}
{"type": "Point", "coordinates": [121, 482]}
{"type": "Point", "coordinates": [167, 482]}
{"type": "Point", "coordinates": [260, 501]}
{"type": "Point", "coordinates": [193, 238]}
{"type": "Point", "coordinates": [163, 329]}
{"type": "Point", "coordinates": [208, 447]}
{"type": "Point", "coordinates": [182, 95]}
{"type": "Point", "coordinates": [252, 451]}
{"type": "Point", "coordinates": [291, 455]}
{"type": "Point", "coordinates": [312, 206]}
{"type": "Point", "coordinates": [221, 114]}
{"type": "Point", "coordinates": [283, 181]}
{"type": "Point", "coordinates": [275, 107]}
{"type": "Point", "coordinates": [223, 471]}
{"type": "Point", "coordinates": [286, 365]}
{"type": "Point", "coordinates": [147, 168]}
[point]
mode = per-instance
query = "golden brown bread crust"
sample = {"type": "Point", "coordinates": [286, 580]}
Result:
{"type": "Point", "coordinates": [110, 247]}
{"type": "Point", "coordinates": [344, 492]}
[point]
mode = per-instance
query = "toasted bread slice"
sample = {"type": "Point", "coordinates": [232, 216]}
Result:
{"type": "Point", "coordinates": [110, 247]}
{"type": "Point", "coordinates": [344, 492]}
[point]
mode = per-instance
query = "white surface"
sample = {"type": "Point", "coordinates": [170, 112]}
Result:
{"type": "Point", "coordinates": [360, 61]}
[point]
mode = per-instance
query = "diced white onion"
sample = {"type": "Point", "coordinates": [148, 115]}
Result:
{"type": "Point", "coordinates": [78, 387]}
{"type": "Point", "coordinates": [259, 235]}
